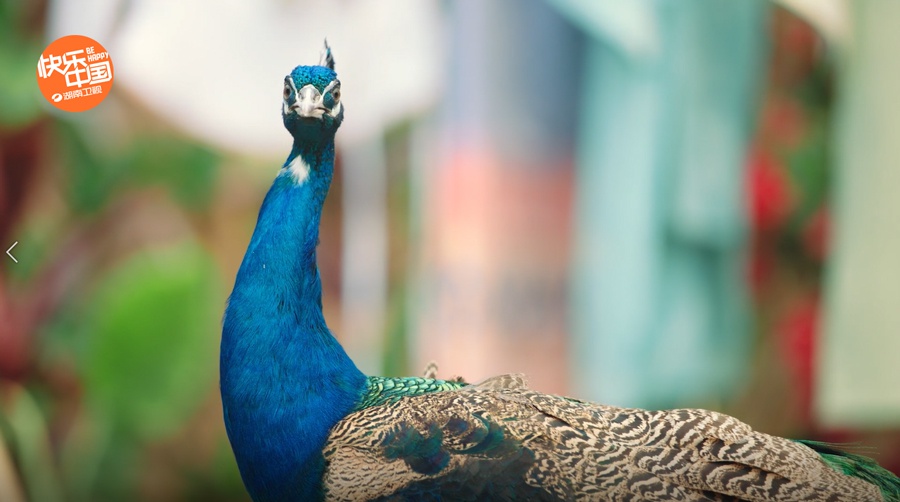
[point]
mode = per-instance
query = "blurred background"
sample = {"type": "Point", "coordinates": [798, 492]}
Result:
{"type": "Point", "coordinates": [648, 203]}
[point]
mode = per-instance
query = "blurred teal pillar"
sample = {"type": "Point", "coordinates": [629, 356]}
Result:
{"type": "Point", "coordinates": [659, 298]}
{"type": "Point", "coordinates": [859, 361]}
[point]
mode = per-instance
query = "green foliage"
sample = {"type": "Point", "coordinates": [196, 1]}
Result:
{"type": "Point", "coordinates": [96, 171]}
{"type": "Point", "coordinates": [142, 335]}
{"type": "Point", "coordinates": [187, 169]}
{"type": "Point", "coordinates": [222, 482]}
{"type": "Point", "coordinates": [20, 102]}
{"type": "Point", "coordinates": [25, 429]}
{"type": "Point", "coordinates": [154, 326]}
{"type": "Point", "coordinates": [35, 244]}
{"type": "Point", "coordinates": [93, 175]}
{"type": "Point", "coordinates": [9, 478]}
{"type": "Point", "coordinates": [809, 167]}
{"type": "Point", "coordinates": [395, 356]}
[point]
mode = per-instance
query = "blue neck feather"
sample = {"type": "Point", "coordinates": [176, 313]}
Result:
{"type": "Point", "coordinates": [285, 380]}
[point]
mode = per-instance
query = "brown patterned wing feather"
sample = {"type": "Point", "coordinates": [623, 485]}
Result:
{"type": "Point", "coordinates": [499, 440]}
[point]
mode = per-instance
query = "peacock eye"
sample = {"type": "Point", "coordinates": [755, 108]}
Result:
{"type": "Point", "coordinates": [287, 91]}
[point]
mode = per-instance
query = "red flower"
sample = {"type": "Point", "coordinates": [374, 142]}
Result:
{"type": "Point", "coordinates": [770, 197]}
{"type": "Point", "coordinates": [816, 234]}
{"type": "Point", "coordinates": [799, 332]}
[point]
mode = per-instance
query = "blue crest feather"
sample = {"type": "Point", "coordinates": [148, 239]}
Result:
{"type": "Point", "coordinates": [326, 59]}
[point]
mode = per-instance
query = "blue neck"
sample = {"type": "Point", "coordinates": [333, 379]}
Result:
{"type": "Point", "coordinates": [285, 380]}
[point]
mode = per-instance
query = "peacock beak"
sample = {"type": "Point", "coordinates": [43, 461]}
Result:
{"type": "Point", "coordinates": [309, 103]}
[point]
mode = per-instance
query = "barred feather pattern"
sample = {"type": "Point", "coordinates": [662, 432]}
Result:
{"type": "Point", "coordinates": [500, 440]}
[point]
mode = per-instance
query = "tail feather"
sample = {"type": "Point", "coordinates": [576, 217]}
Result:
{"type": "Point", "coordinates": [860, 467]}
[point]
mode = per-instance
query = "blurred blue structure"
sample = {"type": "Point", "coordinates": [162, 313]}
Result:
{"type": "Point", "coordinates": [495, 196]}
{"type": "Point", "coordinates": [659, 309]}
{"type": "Point", "coordinates": [512, 81]}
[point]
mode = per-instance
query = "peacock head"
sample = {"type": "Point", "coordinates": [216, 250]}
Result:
{"type": "Point", "coordinates": [312, 109]}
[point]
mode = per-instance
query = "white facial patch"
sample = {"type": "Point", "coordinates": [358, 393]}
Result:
{"type": "Point", "coordinates": [285, 106]}
{"type": "Point", "coordinates": [298, 169]}
{"type": "Point", "coordinates": [334, 84]}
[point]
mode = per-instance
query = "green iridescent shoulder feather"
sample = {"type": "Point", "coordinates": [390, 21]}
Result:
{"type": "Point", "coordinates": [386, 390]}
{"type": "Point", "coordinates": [860, 467]}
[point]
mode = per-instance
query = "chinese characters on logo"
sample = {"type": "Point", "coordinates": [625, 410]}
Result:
{"type": "Point", "coordinates": [72, 68]}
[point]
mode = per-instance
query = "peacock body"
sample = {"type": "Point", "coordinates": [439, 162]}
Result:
{"type": "Point", "coordinates": [306, 424]}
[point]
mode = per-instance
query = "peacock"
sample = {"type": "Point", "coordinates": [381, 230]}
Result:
{"type": "Point", "coordinates": [306, 424]}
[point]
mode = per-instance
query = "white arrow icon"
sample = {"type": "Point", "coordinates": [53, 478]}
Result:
{"type": "Point", "coordinates": [10, 254]}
